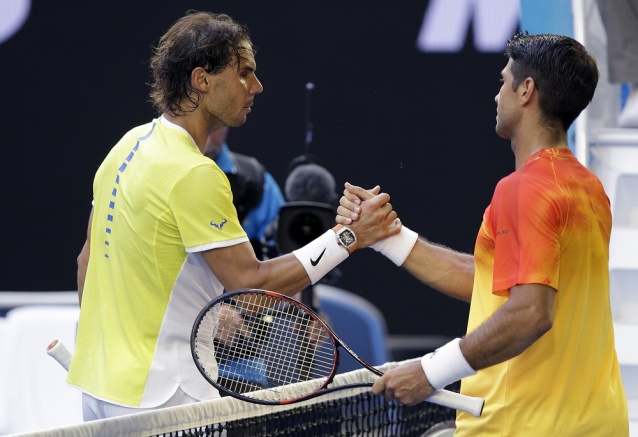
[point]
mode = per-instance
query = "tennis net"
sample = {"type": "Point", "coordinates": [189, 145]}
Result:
{"type": "Point", "coordinates": [349, 412]}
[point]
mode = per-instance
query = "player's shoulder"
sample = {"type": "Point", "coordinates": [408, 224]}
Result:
{"type": "Point", "coordinates": [133, 135]}
{"type": "Point", "coordinates": [139, 132]}
{"type": "Point", "coordinates": [529, 178]}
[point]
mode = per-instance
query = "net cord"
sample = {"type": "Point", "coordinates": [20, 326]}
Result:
{"type": "Point", "coordinates": [203, 413]}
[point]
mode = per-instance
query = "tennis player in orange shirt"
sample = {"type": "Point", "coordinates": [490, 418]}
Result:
{"type": "Point", "coordinates": [540, 340]}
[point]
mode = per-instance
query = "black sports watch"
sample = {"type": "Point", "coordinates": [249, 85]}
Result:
{"type": "Point", "coordinates": [346, 237]}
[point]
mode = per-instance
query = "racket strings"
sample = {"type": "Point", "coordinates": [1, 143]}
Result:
{"type": "Point", "coordinates": [259, 344]}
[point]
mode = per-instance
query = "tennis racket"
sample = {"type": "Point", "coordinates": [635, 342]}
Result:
{"type": "Point", "coordinates": [266, 348]}
{"type": "Point", "coordinates": [60, 353]}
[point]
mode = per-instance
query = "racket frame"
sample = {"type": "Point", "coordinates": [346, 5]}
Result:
{"type": "Point", "coordinates": [472, 405]}
{"type": "Point", "coordinates": [334, 338]}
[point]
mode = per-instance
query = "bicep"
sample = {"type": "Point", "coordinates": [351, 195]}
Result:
{"type": "Point", "coordinates": [524, 318]}
{"type": "Point", "coordinates": [237, 267]}
{"type": "Point", "coordinates": [537, 301]}
{"type": "Point", "coordinates": [232, 264]}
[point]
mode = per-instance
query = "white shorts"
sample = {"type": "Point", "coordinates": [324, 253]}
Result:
{"type": "Point", "coordinates": [94, 409]}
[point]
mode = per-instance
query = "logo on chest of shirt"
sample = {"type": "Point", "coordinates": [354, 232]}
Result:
{"type": "Point", "coordinates": [220, 225]}
{"type": "Point", "coordinates": [503, 232]}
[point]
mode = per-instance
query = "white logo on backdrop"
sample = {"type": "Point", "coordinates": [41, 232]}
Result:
{"type": "Point", "coordinates": [13, 14]}
{"type": "Point", "coordinates": [446, 24]}
{"type": "Point", "coordinates": [444, 28]}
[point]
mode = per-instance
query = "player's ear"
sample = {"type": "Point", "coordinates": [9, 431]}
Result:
{"type": "Point", "coordinates": [200, 79]}
{"type": "Point", "coordinates": [527, 89]}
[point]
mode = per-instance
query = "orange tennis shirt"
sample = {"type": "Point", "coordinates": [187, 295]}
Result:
{"type": "Point", "coordinates": [549, 223]}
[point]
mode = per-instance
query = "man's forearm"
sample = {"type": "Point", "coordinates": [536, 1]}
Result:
{"type": "Point", "coordinates": [442, 268]}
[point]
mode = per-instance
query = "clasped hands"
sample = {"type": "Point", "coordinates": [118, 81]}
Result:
{"type": "Point", "coordinates": [368, 213]}
{"type": "Point", "coordinates": [407, 383]}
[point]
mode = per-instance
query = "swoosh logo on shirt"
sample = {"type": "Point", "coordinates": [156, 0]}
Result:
{"type": "Point", "coordinates": [314, 262]}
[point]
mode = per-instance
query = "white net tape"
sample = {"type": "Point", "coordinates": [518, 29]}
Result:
{"type": "Point", "coordinates": [200, 414]}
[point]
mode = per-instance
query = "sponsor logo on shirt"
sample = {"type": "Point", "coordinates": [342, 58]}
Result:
{"type": "Point", "coordinates": [220, 225]}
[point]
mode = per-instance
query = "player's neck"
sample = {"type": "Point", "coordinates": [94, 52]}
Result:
{"type": "Point", "coordinates": [529, 143]}
{"type": "Point", "coordinates": [191, 124]}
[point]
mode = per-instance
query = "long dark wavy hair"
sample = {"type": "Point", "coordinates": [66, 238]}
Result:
{"type": "Point", "coordinates": [199, 39]}
{"type": "Point", "coordinates": [564, 72]}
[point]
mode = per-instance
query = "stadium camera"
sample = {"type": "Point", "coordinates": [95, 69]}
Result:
{"type": "Point", "coordinates": [301, 222]}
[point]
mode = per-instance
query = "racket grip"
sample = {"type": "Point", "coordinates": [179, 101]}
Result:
{"type": "Point", "coordinates": [60, 353]}
{"type": "Point", "coordinates": [451, 399]}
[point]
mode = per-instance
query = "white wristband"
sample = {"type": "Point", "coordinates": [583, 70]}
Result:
{"type": "Point", "coordinates": [321, 255]}
{"type": "Point", "coordinates": [446, 365]}
{"type": "Point", "coordinates": [397, 247]}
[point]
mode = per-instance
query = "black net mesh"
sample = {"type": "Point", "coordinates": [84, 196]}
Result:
{"type": "Point", "coordinates": [348, 412]}
{"type": "Point", "coordinates": [359, 415]}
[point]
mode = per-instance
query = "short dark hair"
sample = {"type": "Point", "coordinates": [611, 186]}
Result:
{"type": "Point", "coordinates": [564, 72]}
{"type": "Point", "coordinates": [198, 39]}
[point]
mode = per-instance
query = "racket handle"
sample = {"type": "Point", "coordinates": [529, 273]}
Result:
{"type": "Point", "coordinates": [451, 399]}
{"type": "Point", "coordinates": [60, 353]}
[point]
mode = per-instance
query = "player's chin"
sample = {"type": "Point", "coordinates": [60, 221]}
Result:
{"type": "Point", "coordinates": [501, 132]}
{"type": "Point", "coordinates": [240, 121]}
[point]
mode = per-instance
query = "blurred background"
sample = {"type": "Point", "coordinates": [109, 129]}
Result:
{"type": "Point", "coordinates": [404, 97]}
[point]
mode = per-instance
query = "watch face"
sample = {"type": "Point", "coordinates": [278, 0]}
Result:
{"type": "Point", "coordinates": [347, 238]}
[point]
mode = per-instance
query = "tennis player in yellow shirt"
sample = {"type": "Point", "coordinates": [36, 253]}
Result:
{"type": "Point", "coordinates": [164, 238]}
